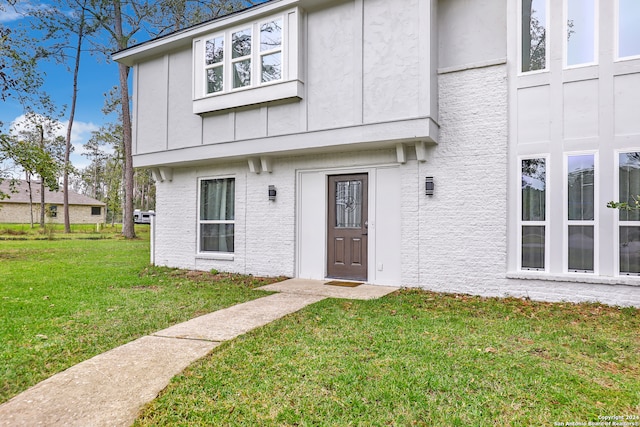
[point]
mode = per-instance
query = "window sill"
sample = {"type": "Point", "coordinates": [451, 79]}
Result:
{"type": "Point", "coordinates": [292, 89]}
{"type": "Point", "coordinates": [576, 278]}
{"type": "Point", "coordinates": [216, 256]}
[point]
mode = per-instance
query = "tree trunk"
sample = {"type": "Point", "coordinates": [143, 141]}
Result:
{"type": "Point", "coordinates": [30, 197]}
{"type": "Point", "coordinates": [128, 229]}
{"type": "Point", "coordinates": [42, 188]}
{"type": "Point", "coordinates": [72, 113]}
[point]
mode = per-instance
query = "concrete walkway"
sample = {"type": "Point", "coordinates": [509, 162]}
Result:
{"type": "Point", "coordinates": [110, 389]}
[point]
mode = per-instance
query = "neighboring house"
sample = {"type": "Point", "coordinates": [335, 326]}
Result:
{"type": "Point", "coordinates": [405, 142]}
{"type": "Point", "coordinates": [15, 209]}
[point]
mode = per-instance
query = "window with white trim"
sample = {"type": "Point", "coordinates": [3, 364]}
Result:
{"type": "Point", "coordinates": [628, 34]}
{"type": "Point", "coordinates": [249, 63]}
{"type": "Point", "coordinates": [271, 50]}
{"type": "Point", "coordinates": [216, 220]}
{"type": "Point", "coordinates": [214, 64]}
{"type": "Point", "coordinates": [533, 216]}
{"type": "Point", "coordinates": [243, 57]}
{"type": "Point", "coordinates": [533, 35]}
{"type": "Point", "coordinates": [629, 220]}
{"type": "Point", "coordinates": [581, 32]}
{"type": "Point", "coordinates": [581, 213]}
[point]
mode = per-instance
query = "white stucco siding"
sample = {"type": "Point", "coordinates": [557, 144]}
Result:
{"type": "Point", "coordinates": [361, 62]}
{"type": "Point", "coordinates": [471, 31]}
{"type": "Point", "coordinates": [151, 105]}
{"type": "Point", "coordinates": [391, 58]}
{"type": "Point", "coordinates": [331, 77]}
{"type": "Point", "coordinates": [184, 127]}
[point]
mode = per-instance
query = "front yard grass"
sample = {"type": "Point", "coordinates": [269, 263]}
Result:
{"type": "Point", "coordinates": [65, 301]}
{"type": "Point", "coordinates": [418, 358]}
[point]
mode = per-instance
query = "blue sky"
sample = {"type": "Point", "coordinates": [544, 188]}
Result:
{"type": "Point", "coordinates": [96, 78]}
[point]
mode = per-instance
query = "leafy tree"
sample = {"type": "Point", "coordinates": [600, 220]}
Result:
{"type": "Point", "coordinates": [61, 26]}
{"type": "Point", "coordinates": [19, 78]}
{"type": "Point", "coordinates": [38, 152]}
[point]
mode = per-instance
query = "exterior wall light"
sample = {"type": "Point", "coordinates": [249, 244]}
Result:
{"type": "Point", "coordinates": [429, 186]}
{"type": "Point", "coordinates": [272, 192]}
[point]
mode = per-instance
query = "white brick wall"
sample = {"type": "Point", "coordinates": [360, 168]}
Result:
{"type": "Point", "coordinates": [463, 226]}
{"type": "Point", "coordinates": [454, 241]}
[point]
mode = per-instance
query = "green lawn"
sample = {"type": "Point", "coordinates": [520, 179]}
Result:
{"type": "Point", "coordinates": [56, 231]}
{"type": "Point", "coordinates": [411, 358]}
{"type": "Point", "coordinates": [64, 301]}
{"type": "Point", "coordinates": [417, 358]}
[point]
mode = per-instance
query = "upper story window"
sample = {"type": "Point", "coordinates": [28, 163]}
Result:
{"type": "Point", "coordinates": [214, 64]}
{"type": "Point", "coordinates": [249, 63]}
{"type": "Point", "coordinates": [271, 51]}
{"type": "Point", "coordinates": [244, 57]}
{"type": "Point", "coordinates": [581, 32]}
{"type": "Point", "coordinates": [534, 35]}
{"type": "Point", "coordinates": [628, 29]}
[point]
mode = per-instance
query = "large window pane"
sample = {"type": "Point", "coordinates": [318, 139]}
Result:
{"type": "Point", "coordinates": [581, 248]}
{"type": "Point", "coordinates": [534, 35]}
{"type": "Point", "coordinates": [581, 189]}
{"type": "Point", "coordinates": [241, 43]}
{"type": "Point", "coordinates": [216, 237]}
{"type": "Point", "coordinates": [217, 199]}
{"type": "Point", "coordinates": [581, 25]}
{"type": "Point", "coordinates": [214, 50]}
{"type": "Point", "coordinates": [271, 35]}
{"type": "Point", "coordinates": [533, 244]}
{"type": "Point", "coordinates": [628, 28]}
{"type": "Point", "coordinates": [629, 184]}
{"type": "Point", "coordinates": [271, 67]}
{"type": "Point", "coordinates": [629, 250]}
{"type": "Point", "coordinates": [242, 73]}
{"type": "Point", "coordinates": [533, 189]}
{"type": "Point", "coordinates": [349, 204]}
{"type": "Point", "coordinates": [215, 79]}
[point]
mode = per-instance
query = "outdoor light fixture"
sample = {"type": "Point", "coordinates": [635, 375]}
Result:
{"type": "Point", "coordinates": [272, 192]}
{"type": "Point", "coordinates": [428, 186]}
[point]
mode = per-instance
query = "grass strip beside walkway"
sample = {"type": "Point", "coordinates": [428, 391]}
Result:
{"type": "Point", "coordinates": [65, 301]}
{"type": "Point", "coordinates": [417, 358]}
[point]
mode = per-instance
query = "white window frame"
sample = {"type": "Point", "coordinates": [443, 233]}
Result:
{"type": "Point", "coordinates": [596, 213]}
{"type": "Point", "coordinates": [616, 30]}
{"type": "Point", "coordinates": [545, 223]}
{"type": "Point", "coordinates": [262, 53]}
{"type": "Point", "coordinates": [617, 223]}
{"type": "Point", "coordinates": [289, 87]}
{"type": "Point", "coordinates": [547, 40]}
{"type": "Point", "coordinates": [596, 35]}
{"type": "Point", "coordinates": [199, 222]}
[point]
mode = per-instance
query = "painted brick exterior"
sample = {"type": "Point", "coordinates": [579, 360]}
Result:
{"type": "Point", "coordinates": [454, 241]}
{"type": "Point", "coordinates": [463, 225]}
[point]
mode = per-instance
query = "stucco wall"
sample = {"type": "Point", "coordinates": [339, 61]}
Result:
{"type": "Point", "coordinates": [362, 62]}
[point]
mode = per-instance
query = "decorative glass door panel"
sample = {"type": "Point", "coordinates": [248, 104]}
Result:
{"type": "Point", "coordinates": [347, 227]}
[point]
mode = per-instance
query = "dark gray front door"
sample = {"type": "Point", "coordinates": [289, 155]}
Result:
{"type": "Point", "coordinates": [347, 227]}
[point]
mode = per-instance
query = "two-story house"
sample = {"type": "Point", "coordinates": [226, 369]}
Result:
{"type": "Point", "coordinates": [454, 145]}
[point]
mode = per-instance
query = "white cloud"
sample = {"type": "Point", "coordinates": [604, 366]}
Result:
{"type": "Point", "coordinates": [20, 11]}
{"type": "Point", "coordinates": [10, 16]}
{"type": "Point", "coordinates": [80, 134]}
